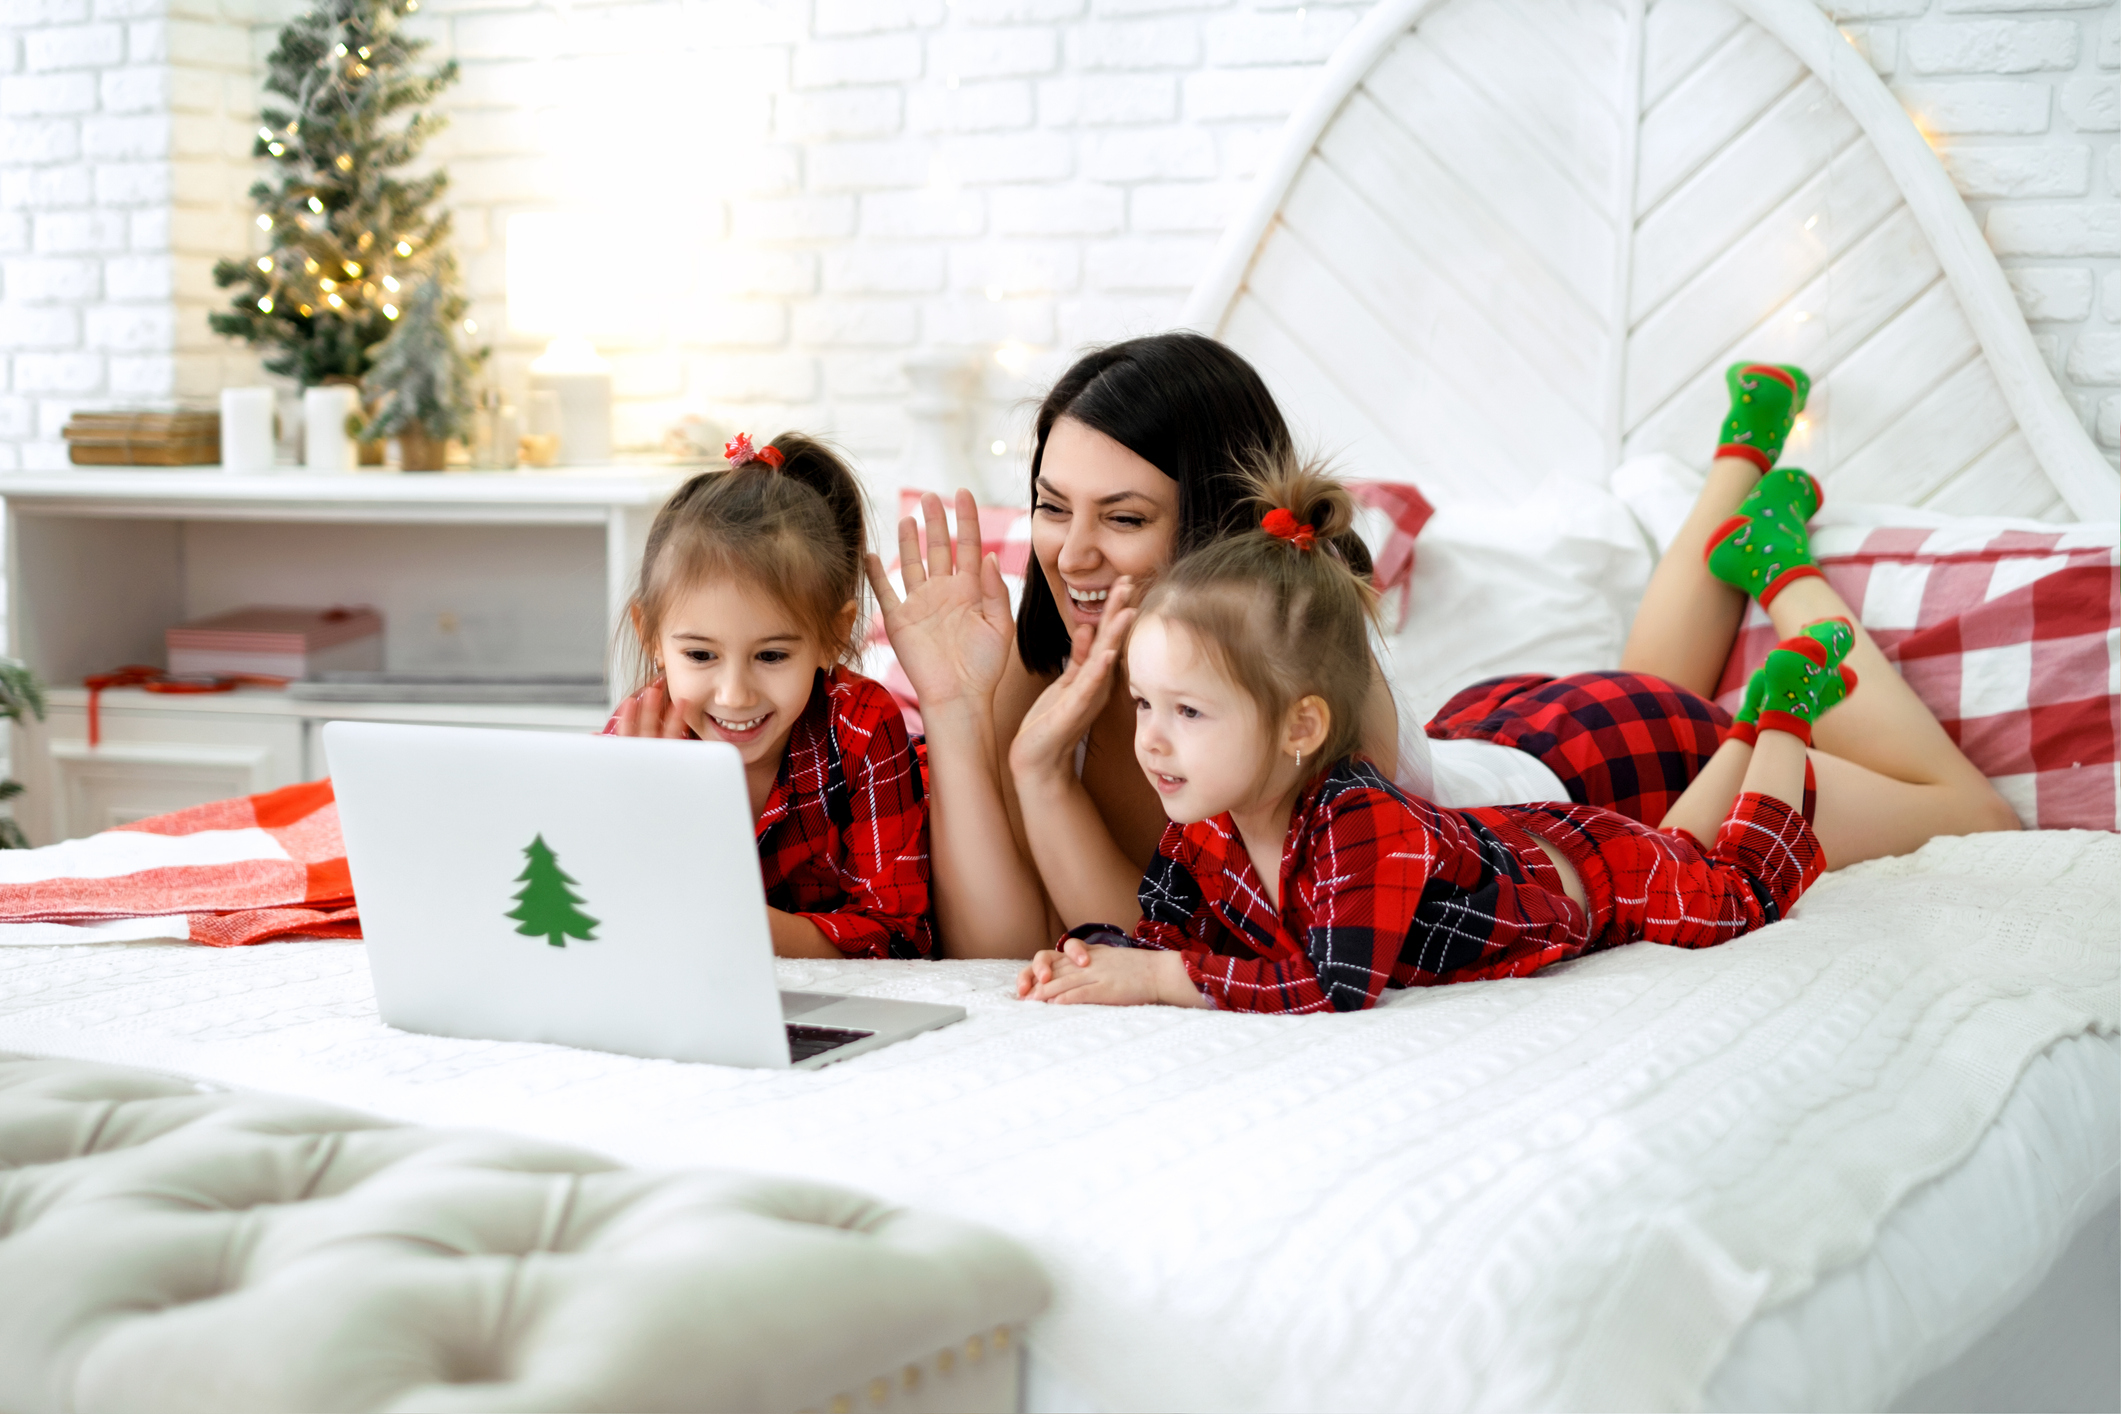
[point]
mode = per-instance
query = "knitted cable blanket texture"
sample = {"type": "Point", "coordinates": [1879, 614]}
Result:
{"type": "Point", "coordinates": [1567, 1191]}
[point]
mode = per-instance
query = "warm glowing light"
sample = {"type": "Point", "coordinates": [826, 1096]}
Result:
{"type": "Point", "coordinates": [360, 71]}
{"type": "Point", "coordinates": [353, 269]}
{"type": "Point", "coordinates": [266, 304]}
{"type": "Point", "coordinates": [310, 267]}
{"type": "Point", "coordinates": [277, 150]}
{"type": "Point", "coordinates": [340, 51]}
{"type": "Point", "coordinates": [1013, 356]}
{"type": "Point", "coordinates": [1801, 315]}
{"type": "Point", "coordinates": [316, 206]}
{"type": "Point", "coordinates": [390, 282]}
{"type": "Point", "coordinates": [345, 162]}
{"type": "Point", "coordinates": [265, 223]}
{"type": "Point", "coordinates": [998, 447]}
{"type": "Point", "coordinates": [1802, 424]}
{"type": "Point", "coordinates": [293, 128]}
{"type": "Point", "coordinates": [390, 311]}
{"type": "Point", "coordinates": [362, 51]}
{"type": "Point", "coordinates": [306, 311]}
{"type": "Point", "coordinates": [265, 133]}
{"type": "Point", "coordinates": [471, 326]}
{"type": "Point", "coordinates": [1811, 221]}
{"type": "Point", "coordinates": [328, 285]}
{"type": "Point", "coordinates": [404, 248]}
{"type": "Point", "coordinates": [335, 302]}
{"type": "Point", "coordinates": [265, 262]}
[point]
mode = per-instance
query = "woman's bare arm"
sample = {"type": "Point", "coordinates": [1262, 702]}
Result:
{"type": "Point", "coordinates": [953, 636]}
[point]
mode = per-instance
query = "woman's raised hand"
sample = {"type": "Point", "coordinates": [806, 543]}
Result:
{"type": "Point", "coordinates": [1064, 711]}
{"type": "Point", "coordinates": [652, 712]}
{"type": "Point", "coordinates": [952, 632]}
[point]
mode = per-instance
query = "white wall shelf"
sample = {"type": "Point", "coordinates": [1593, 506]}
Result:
{"type": "Point", "coordinates": [508, 572]}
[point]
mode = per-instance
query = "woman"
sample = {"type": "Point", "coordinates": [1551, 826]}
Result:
{"type": "Point", "coordinates": [1040, 820]}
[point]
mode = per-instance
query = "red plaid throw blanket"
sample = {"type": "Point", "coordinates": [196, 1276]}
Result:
{"type": "Point", "coordinates": [250, 870]}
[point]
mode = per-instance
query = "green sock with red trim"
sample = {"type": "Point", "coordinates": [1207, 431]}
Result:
{"type": "Point", "coordinates": [1765, 401]}
{"type": "Point", "coordinates": [1765, 547]}
{"type": "Point", "coordinates": [1804, 678]}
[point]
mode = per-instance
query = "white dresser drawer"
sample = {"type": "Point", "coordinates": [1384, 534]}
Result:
{"type": "Point", "coordinates": [148, 763]}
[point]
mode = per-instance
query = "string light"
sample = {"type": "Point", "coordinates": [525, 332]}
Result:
{"type": "Point", "coordinates": [345, 162]}
{"type": "Point", "coordinates": [265, 133]}
{"type": "Point", "coordinates": [335, 302]}
{"type": "Point", "coordinates": [404, 248]}
{"type": "Point", "coordinates": [362, 51]}
{"type": "Point", "coordinates": [327, 285]}
{"type": "Point", "coordinates": [310, 267]}
{"type": "Point", "coordinates": [276, 150]}
{"type": "Point", "coordinates": [266, 304]}
{"type": "Point", "coordinates": [353, 270]}
{"type": "Point", "coordinates": [340, 51]}
{"type": "Point", "coordinates": [390, 283]}
{"type": "Point", "coordinates": [316, 206]}
{"type": "Point", "coordinates": [265, 223]}
{"type": "Point", "coordinates": [471, 326]}
{"type": "Point", "coordinates": [305, 311]}
{"type": "Point", "coordinates": [294, 127]}
{"type": "Point", "coordinates": [265, 262]}
{"type": "Point", "coordinates": [390, 311]}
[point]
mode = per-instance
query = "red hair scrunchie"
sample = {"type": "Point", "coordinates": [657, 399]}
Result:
{"type": "Point", "coordinates": [1282, 524]}
{"type": "Point", "coordinates": [739, 450]}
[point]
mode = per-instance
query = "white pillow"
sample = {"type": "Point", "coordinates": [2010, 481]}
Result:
{"type": "Point", "coordinates": [1548, 586]}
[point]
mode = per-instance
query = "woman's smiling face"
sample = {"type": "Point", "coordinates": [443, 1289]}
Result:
{"type": "Point", "coordinates": [1098, 512]}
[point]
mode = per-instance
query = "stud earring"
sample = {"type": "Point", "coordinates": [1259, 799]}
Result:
{"type": "Point", "coordinates": [1299, 759]}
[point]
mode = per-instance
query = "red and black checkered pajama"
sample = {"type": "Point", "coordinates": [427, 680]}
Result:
{"type": "Point", "coordinates": [1627, 741]}
{"type": "Point", "coordinates": [1661, 886]}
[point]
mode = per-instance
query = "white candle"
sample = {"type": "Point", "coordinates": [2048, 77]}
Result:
{"type": "Point", "coordinates": [325, 445]}
{"type": "Point", "coordinates": [246, 429]}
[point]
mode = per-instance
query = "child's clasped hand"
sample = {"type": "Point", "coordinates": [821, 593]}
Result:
{"type": "Point", "coordinates": [1103, 975]}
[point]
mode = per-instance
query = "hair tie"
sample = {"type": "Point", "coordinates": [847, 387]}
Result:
{"type": "Point", "coordinates": [739, 450]}
{"type": "Point", "coordinates": [1282, 524]}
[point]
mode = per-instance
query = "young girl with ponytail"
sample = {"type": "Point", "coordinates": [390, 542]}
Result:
{"type": "Point", "coordinates": [1294, 877]}
{"type": "Point", "coordinates": [745, 617]}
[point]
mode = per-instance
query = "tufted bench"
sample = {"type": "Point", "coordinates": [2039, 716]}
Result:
{"type": "Point", "coordinates": [171, 1246]}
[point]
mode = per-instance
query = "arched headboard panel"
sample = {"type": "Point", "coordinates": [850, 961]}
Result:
{"type": "Point", "coordinates": [1512, 238]}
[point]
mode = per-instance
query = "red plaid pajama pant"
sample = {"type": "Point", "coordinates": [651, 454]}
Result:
{"type": "Point", "coordinates": [1627, 741]}
{"type": "Point", "coordinates": [1662, 886]}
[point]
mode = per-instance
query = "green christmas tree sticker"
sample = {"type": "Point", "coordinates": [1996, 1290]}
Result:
{"type": "Point", "coordinates": [546, 906]}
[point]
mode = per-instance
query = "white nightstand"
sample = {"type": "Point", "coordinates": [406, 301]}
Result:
{"type": "Point", "coordinates": [520, 572]}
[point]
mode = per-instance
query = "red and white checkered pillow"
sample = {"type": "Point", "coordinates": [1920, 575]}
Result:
{"type": "Point", "coordinates": [1390, 514]}
{"type": "Point", "coordinates": [2011, 634]}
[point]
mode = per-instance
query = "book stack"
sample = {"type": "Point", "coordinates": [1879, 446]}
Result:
{"type": "Point", "coordinates": [277, 643]}
{"type": "Point", "coordinates": [143, 438]}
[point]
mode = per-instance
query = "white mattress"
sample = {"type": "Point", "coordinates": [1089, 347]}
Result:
{"type": "Point", "coordinates": [1591, 1188]}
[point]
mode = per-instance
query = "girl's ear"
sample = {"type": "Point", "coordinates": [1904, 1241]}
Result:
{"type": "Point", "coordinates": [843, 622]}
{"type": "Point", "coordinates": [1309, 723]}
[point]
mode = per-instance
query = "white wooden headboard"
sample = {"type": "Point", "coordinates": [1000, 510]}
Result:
{"type": "Point", "coordinates": [1507, 238]}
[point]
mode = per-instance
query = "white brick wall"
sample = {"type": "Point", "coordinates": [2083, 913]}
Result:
{"type": "Point", "coordinates": [2022, 99]}
{"type": "Point", "coordinates": [822, 186]}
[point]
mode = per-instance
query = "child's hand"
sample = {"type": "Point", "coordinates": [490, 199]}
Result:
{"type": "Point", "coordinates": [1101, 975]}
{"type": "Point", "coordinates": [653, 712]}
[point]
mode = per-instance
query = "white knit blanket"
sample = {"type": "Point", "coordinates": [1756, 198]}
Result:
{"type": "Point", "coordinates": [1566, 1191]}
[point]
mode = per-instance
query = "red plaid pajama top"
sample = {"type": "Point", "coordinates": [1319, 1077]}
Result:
{"type": "Point", "coordinates": [843, 838]}
{"type": "Point", "coordinates": [1382, 890]}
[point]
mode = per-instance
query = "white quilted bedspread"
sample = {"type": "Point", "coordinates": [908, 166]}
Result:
{"type": "Point", "coordinates": [1567, 1191]}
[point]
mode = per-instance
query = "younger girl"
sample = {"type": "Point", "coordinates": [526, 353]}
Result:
{"type": "Point", "coordinates": [747, 611]}
{"type": "Point", "coordinates": [1294, 877]}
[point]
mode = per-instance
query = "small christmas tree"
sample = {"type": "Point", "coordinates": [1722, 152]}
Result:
{"type": "Point", "coordinates": [343, 228]}
{"type": "Point", "coordinates": [420, 386]}
{"type": "Point", "coordinates": [20, 694]}
{"type": "Point", "coordinates": [545, 905]}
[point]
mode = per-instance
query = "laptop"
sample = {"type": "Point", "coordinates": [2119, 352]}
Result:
{"type": "Point", "coordinates": [600, 892]}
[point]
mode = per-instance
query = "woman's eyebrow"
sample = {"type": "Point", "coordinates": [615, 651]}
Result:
{"type": "Point", "coordinates": [1047, 488]}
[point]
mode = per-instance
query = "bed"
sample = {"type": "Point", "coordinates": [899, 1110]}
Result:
{"type": "Point", "coordinates": [1868, 1155]}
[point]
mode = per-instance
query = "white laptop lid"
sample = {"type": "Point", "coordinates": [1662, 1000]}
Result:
{"type": "Point", "coordinates": [538, 886]}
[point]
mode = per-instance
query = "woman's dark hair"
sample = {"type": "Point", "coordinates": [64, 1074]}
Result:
{"type": "Point", "coordinates": [1193, 409]}
{"type": "Point", "coordinates": [794, 531]}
